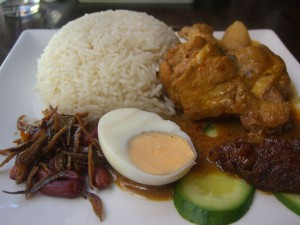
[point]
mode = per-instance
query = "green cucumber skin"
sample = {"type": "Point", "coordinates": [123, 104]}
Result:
{"type": "Point", "coordinates": [292, 205]}
{"type": "Point", "coordinates": [198, 215]}
{"type": "Point", "coordinates": [210, 130]}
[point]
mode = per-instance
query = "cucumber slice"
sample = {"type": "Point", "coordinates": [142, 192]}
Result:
{"type": "Point", "coordinates": [212, 199]}
{"type": "Point", "coordinates": [291, 201]}
{"type": "Point", "coordinates": [210, 130]}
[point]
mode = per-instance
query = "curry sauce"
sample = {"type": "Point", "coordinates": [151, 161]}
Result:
{"type": "Point", "coordinates": [228, 129]}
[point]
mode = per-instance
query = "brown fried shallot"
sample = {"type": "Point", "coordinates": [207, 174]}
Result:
{"type": "Point", "coordinates": [54, 154]}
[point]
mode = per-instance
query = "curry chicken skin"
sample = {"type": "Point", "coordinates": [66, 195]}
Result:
{"type": "Point", "coordinates": [206, 77]}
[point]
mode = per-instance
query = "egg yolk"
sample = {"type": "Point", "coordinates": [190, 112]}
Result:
{"type": "Point", "coordinates": [159, 153]}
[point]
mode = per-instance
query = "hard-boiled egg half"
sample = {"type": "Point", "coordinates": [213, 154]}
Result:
{"type": "Point", "coordinates": [144, 147]}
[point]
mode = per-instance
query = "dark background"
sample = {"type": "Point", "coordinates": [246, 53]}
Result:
{"type": "Point", "coordinates": [282, 16]}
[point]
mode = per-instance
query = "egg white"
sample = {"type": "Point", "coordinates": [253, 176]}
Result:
{"type": "Point", "coordinates": [117, 127]}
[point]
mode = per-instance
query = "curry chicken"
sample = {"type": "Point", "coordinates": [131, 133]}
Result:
{"type": "Point", "coordinates": [236, 85]}
{"type": "Point", "coordinates": [206, 77]}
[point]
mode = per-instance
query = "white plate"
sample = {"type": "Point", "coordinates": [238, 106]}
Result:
{"type": "Point", "coordinates": [17, 80]}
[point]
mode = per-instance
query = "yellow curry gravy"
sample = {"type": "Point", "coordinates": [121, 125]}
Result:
{"type": "Point", "coordinates": [227, 128]}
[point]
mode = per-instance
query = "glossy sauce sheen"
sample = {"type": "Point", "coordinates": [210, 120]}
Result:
{"type": "Point", "coordinates": [228, 129]}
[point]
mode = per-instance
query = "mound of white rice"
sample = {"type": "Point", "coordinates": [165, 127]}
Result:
{"type": "Point", "coordinates": [103, 61]}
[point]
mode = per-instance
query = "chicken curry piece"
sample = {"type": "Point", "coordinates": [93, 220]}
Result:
{"type": "Point", "coordinates": [206, 77]}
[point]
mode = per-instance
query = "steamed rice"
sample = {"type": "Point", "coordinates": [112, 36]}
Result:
{"type": "Point", "coordinates": [106, 60]}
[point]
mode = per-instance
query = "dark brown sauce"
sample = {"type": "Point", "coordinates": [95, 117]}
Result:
{"type": "Point", "coordinates": [158, 193]}
{"type": "Point", "coordinates": [228, 129]}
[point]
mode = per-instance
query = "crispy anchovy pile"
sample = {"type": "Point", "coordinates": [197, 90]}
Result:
{"type": "Point", "coordinates": [54, 155]}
